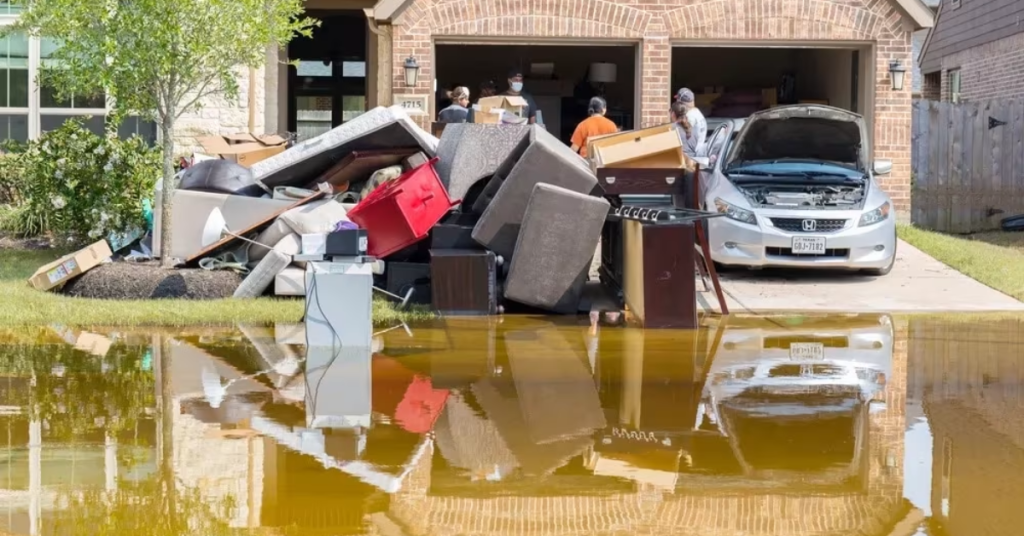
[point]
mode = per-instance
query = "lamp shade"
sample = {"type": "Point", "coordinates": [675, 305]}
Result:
{"type": "Point", "coordinates": [214, 229]}
{"type": "Point", "coordinates": [603, 73]}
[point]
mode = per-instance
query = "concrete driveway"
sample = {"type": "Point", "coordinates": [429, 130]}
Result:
{"type": "Point", "coordinates": [918, 283]}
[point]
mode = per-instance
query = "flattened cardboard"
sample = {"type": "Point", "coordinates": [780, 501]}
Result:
{"type": "Point", "coordinates": [359, 165]}
{"type": "Point", "coordinates": [70, 266]}
{"type": "Point", "coordinates": [245, 149]}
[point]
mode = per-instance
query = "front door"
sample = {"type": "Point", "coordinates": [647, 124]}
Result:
{"type": "Point", "coordinates": [327, 87]}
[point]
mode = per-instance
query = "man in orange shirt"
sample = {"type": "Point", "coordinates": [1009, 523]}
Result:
{"type": "Point", "coordinates": [595, 125]}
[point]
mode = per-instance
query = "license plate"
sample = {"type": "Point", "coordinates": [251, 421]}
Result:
{"type": "Point", "coordinates": [806, 350]}
{"type": "Point", "coordinates": [808, 245]}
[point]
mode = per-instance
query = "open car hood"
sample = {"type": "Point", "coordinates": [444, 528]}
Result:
{"type": "Point", "coordinates": [804, 131]}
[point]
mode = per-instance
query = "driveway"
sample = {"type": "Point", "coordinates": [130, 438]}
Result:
{"type": "Point", "coordinates": [918, 283]}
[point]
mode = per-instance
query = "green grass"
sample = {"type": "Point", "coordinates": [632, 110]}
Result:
{"type": "Point", "coordinates": [994, 258]}
{"type": "Point", "coordinates": [22, 305]}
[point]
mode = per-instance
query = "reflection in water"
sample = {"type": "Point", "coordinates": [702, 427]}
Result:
{"type": "Point", "coordinates": [842, 424]}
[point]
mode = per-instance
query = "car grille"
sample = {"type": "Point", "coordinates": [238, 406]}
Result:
{"type": "Point", "coordinates": [788, 252]}
{"type": "Point", "coordinates": [796, 225]}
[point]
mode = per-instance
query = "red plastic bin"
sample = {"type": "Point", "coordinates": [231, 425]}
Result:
{"type": "Point", "coordinates": [402, 211]}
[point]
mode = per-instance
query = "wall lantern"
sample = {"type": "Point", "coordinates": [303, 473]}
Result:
{"type": "Point", "coordinates": [412, 72]}
{"type": "Point", "coordinates": [897, 73]}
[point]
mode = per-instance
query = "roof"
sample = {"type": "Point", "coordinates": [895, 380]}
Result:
{"type": "Point", "coordinates": [917, 10]}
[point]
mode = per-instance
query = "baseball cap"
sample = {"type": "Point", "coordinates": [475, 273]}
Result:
{"type": "Point", "coordinates": [684, 95]}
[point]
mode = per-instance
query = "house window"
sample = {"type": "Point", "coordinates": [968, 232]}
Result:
{"type": "Point", "coordinates": [956, 3]}
{"type": "Point", "coordinates": [27, 107]}
{"type": "Point", "coordinates": [954, 85]}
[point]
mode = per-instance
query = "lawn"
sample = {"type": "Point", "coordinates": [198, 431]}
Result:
{"type": "Point", "coordinates": [994, 258]}
{"type": "Point", "coordinates": [21, 305]}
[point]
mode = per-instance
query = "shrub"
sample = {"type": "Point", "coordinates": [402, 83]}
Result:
{"type": "Point", "coordinates": [12, 172]}
{"type": "Point", "coordinates": [81, 187]}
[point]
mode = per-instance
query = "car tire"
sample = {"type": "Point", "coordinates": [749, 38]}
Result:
{"type": "Point", "coordinates": [879, 272]}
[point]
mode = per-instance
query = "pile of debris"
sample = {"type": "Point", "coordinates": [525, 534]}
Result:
{"type": "Point", "coordinates": [487, 216]}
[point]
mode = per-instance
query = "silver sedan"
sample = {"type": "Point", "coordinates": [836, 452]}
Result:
{"type": "Point", "coordinates": [797, 190]}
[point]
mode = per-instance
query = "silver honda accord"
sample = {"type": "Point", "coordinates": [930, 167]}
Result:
{"type": "Point", "coordinates": [798, 190]}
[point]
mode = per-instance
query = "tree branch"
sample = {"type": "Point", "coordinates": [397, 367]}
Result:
{"type": "Point", "coordinates": [200, 93]}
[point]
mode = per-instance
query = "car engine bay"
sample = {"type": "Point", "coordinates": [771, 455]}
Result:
{"type": "Point", "coordinates": [805, 196]}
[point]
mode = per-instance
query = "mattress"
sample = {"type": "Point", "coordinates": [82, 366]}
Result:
{"type": "Point", "coordinates": [378, 129]}
{"type": "Point", "coordinates": [547, 160]}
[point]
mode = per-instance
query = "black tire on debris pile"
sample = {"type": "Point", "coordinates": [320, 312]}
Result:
{"type": "Point", "coordinates": [144, 281]}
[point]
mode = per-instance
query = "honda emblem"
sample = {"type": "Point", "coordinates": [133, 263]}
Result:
{"type": "Point", "coordinates": [808, 225]}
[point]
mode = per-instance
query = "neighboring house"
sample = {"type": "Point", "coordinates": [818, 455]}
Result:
{"type": "Point", "coordinates": [832, 51]}
{"type": "Point", "coordinates": [975, 51]}
{"type": "Point", "coordinates": [917, 41]}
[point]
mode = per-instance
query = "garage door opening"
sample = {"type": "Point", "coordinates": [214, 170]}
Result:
{"type": "Point", "coordinates": [560, 78]}
{"type": "Point", "coordinates": [736, 82]}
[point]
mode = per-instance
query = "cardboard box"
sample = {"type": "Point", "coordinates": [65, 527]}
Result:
{"type": "Point", "coordinates": [495, 110]}
{"type": "Point", "coordinates": [653, 147]}
{"type": "Point", "coordinates": [84, 341]}
{"type": "Point", "coordinates": [70, 266]}
{"type": "Point", "coordinates": [246, 149]}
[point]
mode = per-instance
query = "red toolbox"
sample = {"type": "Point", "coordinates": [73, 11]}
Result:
{"type": "Point", "coordinates": [401, 212]}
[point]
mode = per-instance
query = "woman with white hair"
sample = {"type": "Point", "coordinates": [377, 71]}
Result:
{"type": "Point", "coordinates": [458, 112]}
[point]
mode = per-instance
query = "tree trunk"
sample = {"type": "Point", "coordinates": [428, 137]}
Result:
{"type": "Point", "coordinates": [166, 133]}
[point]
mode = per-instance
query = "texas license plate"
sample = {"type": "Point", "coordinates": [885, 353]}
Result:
{"type": "Point", "coordinates": [806, 350]}
{"type": "Point", "coordinates": [808, 245]}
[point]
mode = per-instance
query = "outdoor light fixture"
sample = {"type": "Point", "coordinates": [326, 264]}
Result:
{"type": "Point", "coordinates": [412, 72]}
{"type": "Point", "coordinates": [896, 71]}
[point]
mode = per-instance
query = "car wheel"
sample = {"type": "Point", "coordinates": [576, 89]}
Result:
{"type": "Point", "coordinates": [883, 271]}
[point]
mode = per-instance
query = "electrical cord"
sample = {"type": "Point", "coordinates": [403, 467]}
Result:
{"type": "Point", "coordinates": [336, 341]}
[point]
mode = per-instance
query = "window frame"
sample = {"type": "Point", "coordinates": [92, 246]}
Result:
{"type": "Point", "coordinates": [35, 111]}
{"type": "Point", "coordinates": [954, 91]}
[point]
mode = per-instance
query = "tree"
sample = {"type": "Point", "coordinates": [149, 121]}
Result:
{"type": "Point", "coordinates": [159, 58]}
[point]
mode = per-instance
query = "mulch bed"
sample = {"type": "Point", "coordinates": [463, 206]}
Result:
{"type": "Point", "coordinates": [145, 281]}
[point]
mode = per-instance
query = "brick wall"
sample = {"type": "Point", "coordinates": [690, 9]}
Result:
{"type": "Point", "coordinates": [655, 23]}
{"type": "Point", "coordinates": [991, 71]}
{"type": "Point", "coordinates": [219, 115]}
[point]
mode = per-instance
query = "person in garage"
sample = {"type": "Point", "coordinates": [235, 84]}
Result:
{"type": "Point", "coordinates": [515, 89]}
{"type": "Point", "coordinates": [458, 112]}
{"type": "Point", "coordinates": [487, 89]}
{"type": "Point", "coordinates": [695, 118]}
{"type": "Point", "coordinates": [595, 125]}
{"type": "Point", "coordinates": [682, 122]}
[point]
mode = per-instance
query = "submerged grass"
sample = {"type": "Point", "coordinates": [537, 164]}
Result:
{"type": "Point", "coordinates": [993, 258]}
{"type": "Point", "coordinates": [22, 305]}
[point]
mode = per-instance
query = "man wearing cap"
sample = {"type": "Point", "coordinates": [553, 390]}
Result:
{"type": "Point", "coordinates": [515, 89]}
{"type": "Point", "coordinates": [698, 124]}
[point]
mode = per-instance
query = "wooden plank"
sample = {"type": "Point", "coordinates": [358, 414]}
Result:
{"type": "Point", "coordinates": [934, 155]}
{"type": "Point", "coordinates": [958, 215]}
{"type": "Point", "coordinates": [1018, 145]}
{"type": "Point", "coordinates": [967, 161]}
{"type": "Point", "coordinates": [927, 175]}
{"type": "Point", "coordinates": [1009, 179]}
{"type": "Point", "coordinates": [943, 215]}
{"type": "Point", "coordinates": [918, 157]}
{"type": "Point", "coordinates": [994, 187]}
{"type": "Point", "coordinates": [983, 154]}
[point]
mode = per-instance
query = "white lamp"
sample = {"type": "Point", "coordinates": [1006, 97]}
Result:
{"type": "Point", "coordinates": [603, 73]}
{"type": "Point", "coordinates": [216, 228]}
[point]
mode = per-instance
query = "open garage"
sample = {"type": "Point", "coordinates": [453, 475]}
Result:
{"type": "Point", "coordinates": [561, 79]}
{"type": "Point", "coordinates": [732, 81]}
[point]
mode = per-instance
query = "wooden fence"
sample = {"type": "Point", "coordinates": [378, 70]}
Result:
{"type": "Point", "coordinates": [968, 164]}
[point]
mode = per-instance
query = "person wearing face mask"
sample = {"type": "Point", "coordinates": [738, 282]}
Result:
{"type": "Point", "coordinates": [515, 89]}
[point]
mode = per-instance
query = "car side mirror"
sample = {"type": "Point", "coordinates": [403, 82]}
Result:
{"type": "Point", "coordinates": [883, 167]}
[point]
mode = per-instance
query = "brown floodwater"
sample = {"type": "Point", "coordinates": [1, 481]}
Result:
{"type": "Point", "coordinates": [818, 425]}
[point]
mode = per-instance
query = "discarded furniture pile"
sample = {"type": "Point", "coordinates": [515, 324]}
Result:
{"type": "Point", "coordinates": [490, 216]}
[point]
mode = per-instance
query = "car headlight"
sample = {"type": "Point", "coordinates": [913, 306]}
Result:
{"type": "Point", "coordinates": [735, 213]}
{"type": "Point", "coordinates": [878, 215]}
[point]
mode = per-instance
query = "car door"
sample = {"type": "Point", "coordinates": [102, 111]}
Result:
{"type": "Point", "coordinates": [716, 148]}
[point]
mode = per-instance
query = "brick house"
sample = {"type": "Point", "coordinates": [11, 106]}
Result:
{"type": "Point", "coordinates": [975, 51]}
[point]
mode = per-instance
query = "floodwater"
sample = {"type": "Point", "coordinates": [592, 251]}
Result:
{"type": "Point", "coordinates": [826, 425]}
